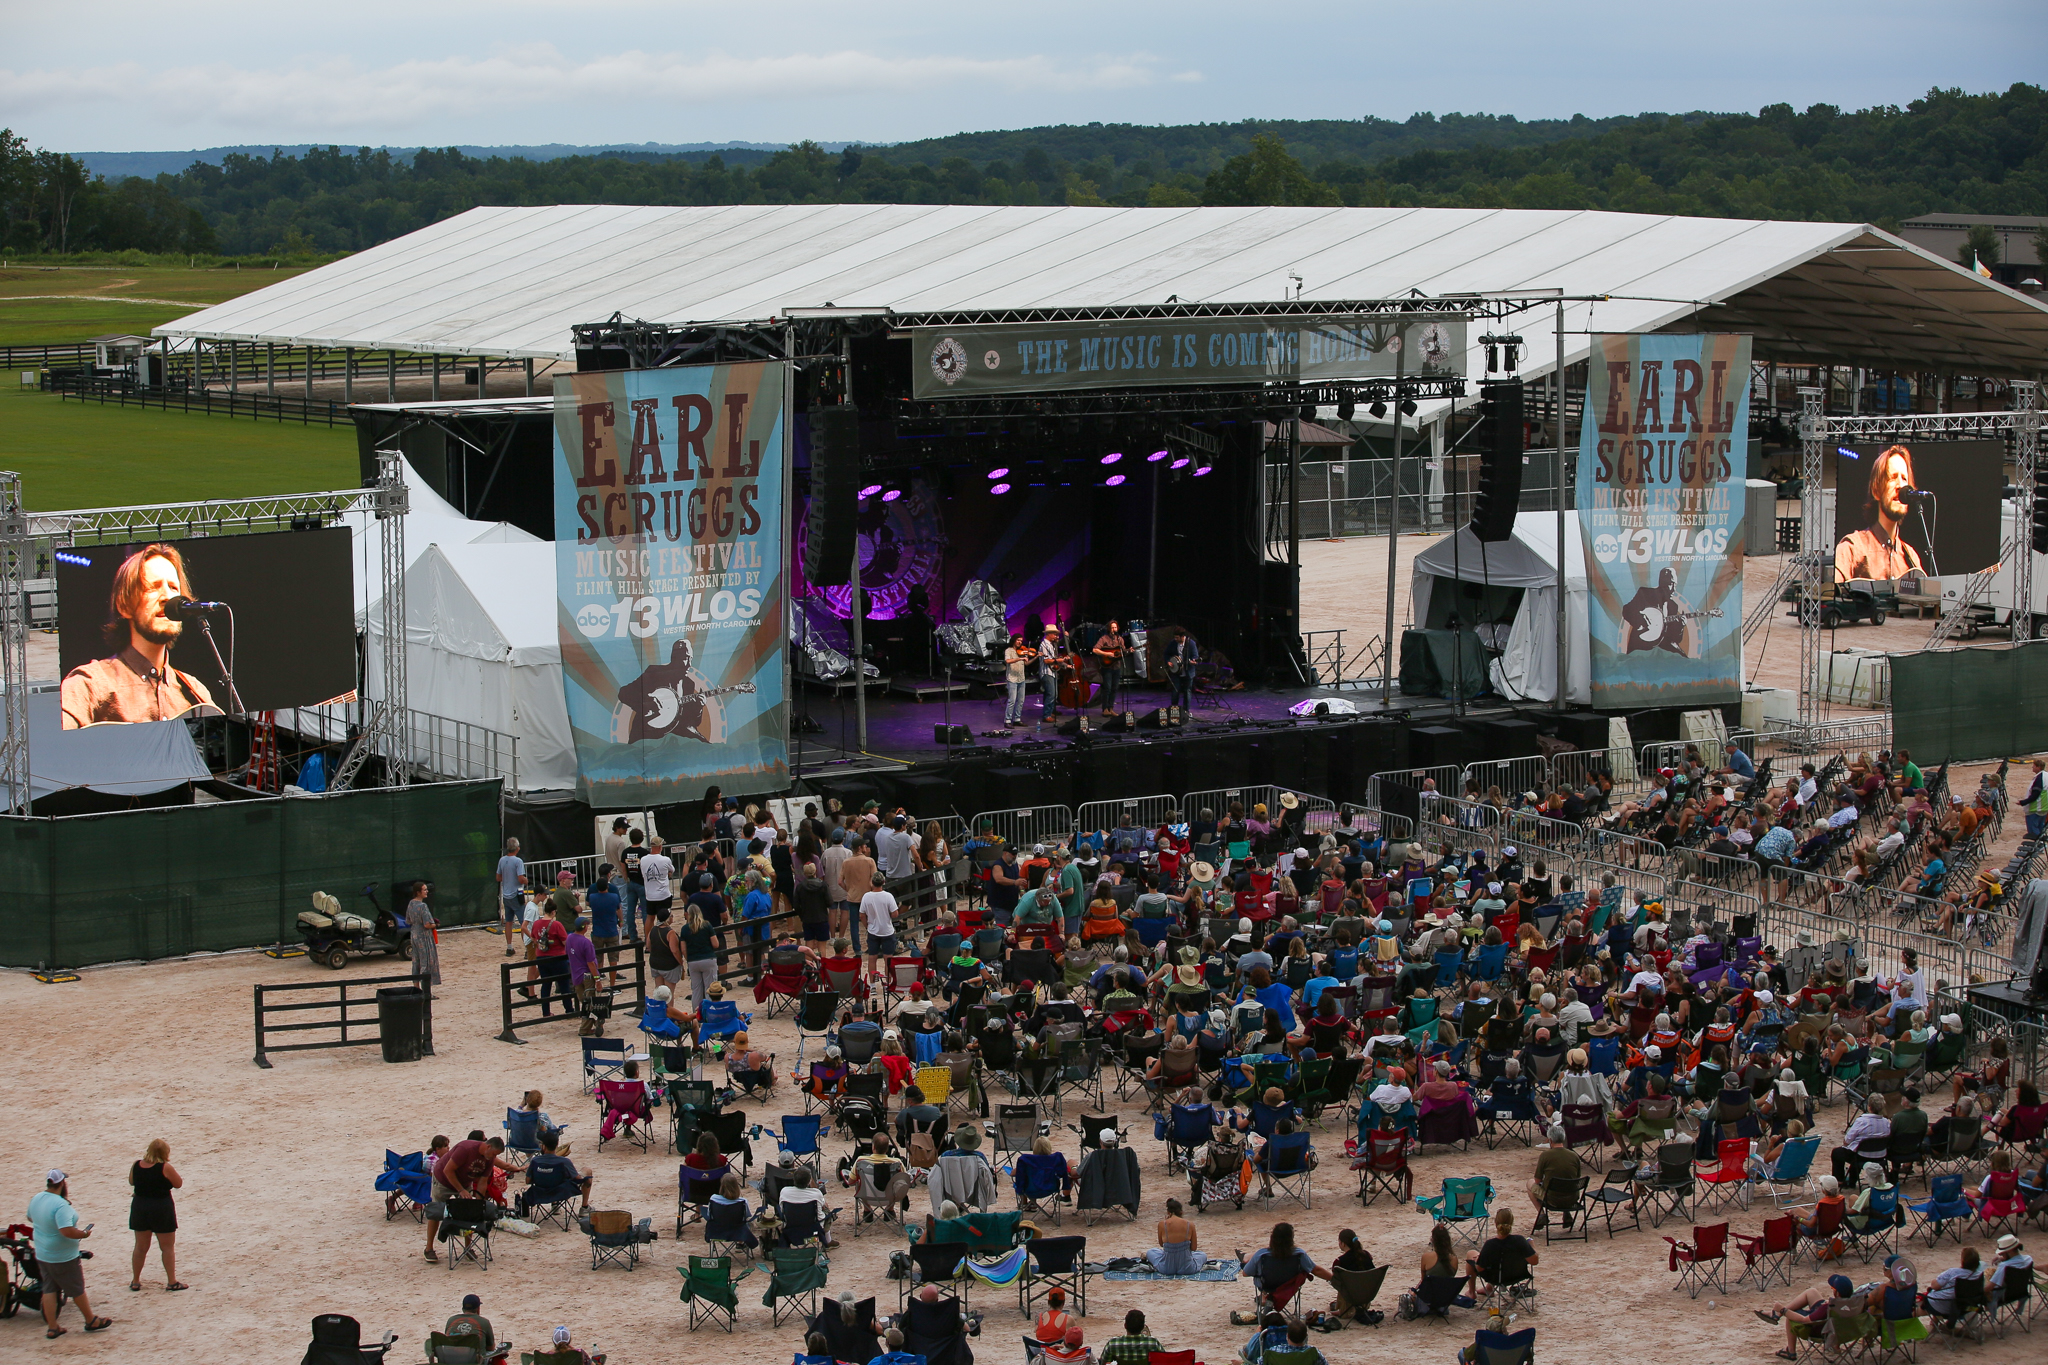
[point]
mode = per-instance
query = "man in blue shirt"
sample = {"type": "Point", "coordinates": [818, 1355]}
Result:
{"type": "Point", "coordinates": [552, 1176]}
{"type": "Point", "coordinates": [758, 905]}
{"type": "Point", "coordinates": [1772, 849]}
{"type": "Point", "coordinates": [512, 892]}
{"type": "Point", "coordinates": [57, 1238]}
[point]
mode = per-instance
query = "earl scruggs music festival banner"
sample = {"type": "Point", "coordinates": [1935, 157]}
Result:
{"type": "Point", "coordinates": [1662, 458]}
{"type": "Point", "coordinates": [669, 488]}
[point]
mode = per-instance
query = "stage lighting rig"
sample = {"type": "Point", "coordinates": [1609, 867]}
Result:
{"type": "Point", "coordinates": [1501, 349]}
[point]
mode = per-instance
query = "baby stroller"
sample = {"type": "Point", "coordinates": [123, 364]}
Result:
{"type": "Point", "coordinates": [1225, 1171]}
{"type": "Point", "coordinates": [21, 1275]}
{"type": "Point", "coordinates": [859, 1117]}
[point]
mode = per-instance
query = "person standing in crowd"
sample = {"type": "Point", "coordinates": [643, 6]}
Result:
{"type": "Point", "coordinates": [897, 850]}
{"type": "Point", "coordinates": [856, 877]}
{"type": "Point", "coordinates": [633, 894]}
{"type": "Point", "coordinates": [830, 865]}
{"type": "Point", "coordinates": [2036, 804]}
{"type": "Point", "coordinates": [57, 1237]}
{"type": "Point", "coordinates": [512, 892]}
{"type": "Point", "coordinates": [426, 951]}
{"type": "Point", "coordinates": [152, 1213]}
{"type": "Point", "coordinates": [615, 864]}
{"type": "Point", "coordinates": [603, 900]}
{"type": "Point", "coordinates": [656, 874]}
{"type": "Point", "coordinates": [878, 912]}
{"type": "Point", "coordinates": [551, 952]}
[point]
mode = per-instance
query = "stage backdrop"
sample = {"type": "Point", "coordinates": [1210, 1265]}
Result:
{"type": "Point", "coordinates": [1660, 507]}
{"type": "Point", "coordinates": [671, 600]}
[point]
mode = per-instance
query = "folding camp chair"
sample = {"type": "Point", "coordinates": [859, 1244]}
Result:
{"type": "Point", "coordinates": [1671, 1191]}
{"type": "Point", "coordinates": [937, 1263]}
{"type": "Point", "coordinates": [626, 1111]}
{"type": "Point", "coordinates": [466, 1232]}
{"type": "Point", "coordinates": [1701, 1263]}
{"type": "Point", "coordinates": [557, 1204]}
{"type": "Point", "coordinates": [1509, 1114]}
{"type": "Point", "coordinates": [1017, 1128]}
{"type": "Point", "coordinates": [1617, 1196]}
{"type": "Point", "coordinates": [694, 1188]}
{"type": "Point", "coordinates": [900, 978]}
{"type": "Point", "coordinates": [2002, 1204]}
{"type": "Point", "coordinates": [1566, 1217]}
{"type": "Point", "coordinates": [1287, 1164]}
{"type": "Point", "coordinates": [405, 1185]}
{"type": "Point", "coordinates": [2013, 1301]}
{"type": "Point", "coordinates": [796, 1275]}
{"type": "Point", "coordinates": [725, 1229]}
{"type": "Point", "coordinates": [1462, 1207]}
{"type": "Point", "coordinates": [1819, 1238]}
{"type": "Point", "coordinates": [1080, 1072]}
{"type": "Point", "coordinates": [688, 1103]}
{"type": "Point", "coordinates": [1042, 1184]}
{"type": "Point", "coordinates": [711, 1290]}
{"type": "Point", "coordinates": [1727, 1178]}
{"type": "Point", "coordinates": [1499, 1348]}
{"type": "Point", "coordinates": [1357, 1289]}
{"type": "Point", "coordinates": [1767, 1255]}
{"type": "Point", "coordinates": [615, 1238]}
{"type": "Point", "coordinates": [798, 1138]}
{"type": "Point", "coordinates": [1944, 1212]}
{"type": "Point", "coordinates": [1790, 1176]}
{"type": "Point", "coordinates": [872, 1195]}
{"type": "Point", "coordinates": [1972, 1308]}
{"type": "Point", "coordinates": [782, 986]}
{"type": "Point", "coordinates": [1187, 1129]}
{"type": "Point", "coordinates": [1383, 1166]}
{"type": "Point", "coordinates": [1055, 1263]}
{"type": "Point", "coordinates": [604, 1059]}
{"type": "Point", "coordinates": [1586, 1132]}
{"type": "Point", "coordinates": [816, 1012]}
{"type": "Point", "coordinates": [1963, 1148]}
{"type": "Point", "coordinates": [1877, 1227]}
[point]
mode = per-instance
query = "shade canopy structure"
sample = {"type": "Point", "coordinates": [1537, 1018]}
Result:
{"type": "Point", "coordinates": [512, 282]}
{"type": "Point", "coordinates": [1527, 667]}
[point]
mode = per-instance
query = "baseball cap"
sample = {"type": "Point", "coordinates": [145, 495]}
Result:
{"type": "Point", "coordinates": [470, 1302]}
{"type": "Point", "coordinates": [56, 1177]}
{"type": "Point", "coordinates": [1842, 1285]}
{"type": "Point", "coordinates": [566, 877]}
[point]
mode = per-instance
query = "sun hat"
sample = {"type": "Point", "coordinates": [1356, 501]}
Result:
{"type": "Point", "coordinates": [1288, 801]}
{"type": "Point", "coordinates": [1202, 873]}
{"type": "Point", "coordinates": [2008, 1244]}
{"type": "Point", "coordinates": [967, 1138]}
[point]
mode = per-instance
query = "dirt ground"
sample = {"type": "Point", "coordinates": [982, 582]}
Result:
{"type": "Point", "coordinates": [280, 1221]}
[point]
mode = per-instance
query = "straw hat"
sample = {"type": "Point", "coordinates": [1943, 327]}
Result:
{"type": "Point", "coordinates": [1202, 874]}
{"type": "Point", "coordinates": [1288, 801]}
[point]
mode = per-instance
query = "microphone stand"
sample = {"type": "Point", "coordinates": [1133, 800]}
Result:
{"type": "Point", "coordinates": [227, 675]}
{"type": "Point", "coordinates": [1920, 511]}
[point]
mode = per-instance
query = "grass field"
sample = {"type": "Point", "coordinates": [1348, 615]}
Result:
{"type": "Point", "coordinates": [83, 455]}
{"type": "Point", "coordinates": [92, 300]}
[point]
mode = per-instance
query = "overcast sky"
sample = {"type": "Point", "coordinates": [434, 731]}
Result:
{"type": "Point", "coordinates": [120, 76]}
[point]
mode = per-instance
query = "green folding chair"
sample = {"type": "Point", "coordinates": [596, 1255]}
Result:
{"type": "Point", "coordinates": [796, 1275]}
{"type": "Point", "coordinates": [712, 1290]}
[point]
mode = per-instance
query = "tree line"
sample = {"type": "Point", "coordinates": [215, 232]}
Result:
{"type": "Point", "coordinates": [1950, 151]}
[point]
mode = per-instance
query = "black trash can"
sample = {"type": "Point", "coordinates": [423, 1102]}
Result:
{"type": "Point", "coordinates": [401, 1022]}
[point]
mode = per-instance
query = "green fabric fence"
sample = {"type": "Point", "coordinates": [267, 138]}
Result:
{"type": "Point", "coordinates": [184, 879]}
{"type": "Point", "coordinates": [1970, 704]}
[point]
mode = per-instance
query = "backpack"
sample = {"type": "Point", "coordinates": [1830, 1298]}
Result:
{"type": "Point", "coordinates": [922, 1152]}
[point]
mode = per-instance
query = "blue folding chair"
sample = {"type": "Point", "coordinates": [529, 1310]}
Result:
{"type": "Point", "coordinates": [1041, 1184]}
{"type": "Point", "coordinates": [522, 1133]}
{"type": "Point", "coordinates": [926, 1047]}
{"type": "Point", "coordinates": [604, 1059]}
{"type": "Point", "coordinates": [405, 1184]}
{"type": "Point", "coordinates": [1448, 961]}
{"type": "Point", "coordinates": [1187, 1129]}
{"type": "Point", "coordinates": [1491, 962]}
{"type": "Point", "coordinates": [1944, 1212]}
{"type": "Point", "coordinates": [799, 1140]}
{"type": "Point", "coordinates": [1286, 1162]}
{"type": "Point", "coordinates": [721, 1019]}
{"type": "Point", "coordinates": [1603, 1056]}
{"type": "Point", "coordinates": [1793, 1168]}
{"type": "Point", "coordinates": [1420, 889]}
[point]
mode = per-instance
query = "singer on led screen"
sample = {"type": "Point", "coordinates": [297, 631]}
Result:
{"type": "Point", "coordinates": [1877, 551]}
{"type": "Point", "coordinates": [137, 682]}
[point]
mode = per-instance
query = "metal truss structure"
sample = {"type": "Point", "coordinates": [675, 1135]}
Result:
{"type": "Point", "coordinates": [1817, 433]}
{"type": "Point", "coordinates": [24, 535]}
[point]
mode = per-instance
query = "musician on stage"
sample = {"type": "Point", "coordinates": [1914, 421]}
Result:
{"type": "Point", "coordinates": [1110, 650]}
{"type": "Point", "coordinates": [1050, 659]}
{"type": "Point", "coordinates": [1180, 672]}
{"type": "Point", "coordinates": [1015, 658]}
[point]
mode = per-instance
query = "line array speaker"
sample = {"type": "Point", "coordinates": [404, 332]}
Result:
{"type": "Point", "coordinates": [829, 524]}
{"type": "Point", "coordinates": [1500, 460]}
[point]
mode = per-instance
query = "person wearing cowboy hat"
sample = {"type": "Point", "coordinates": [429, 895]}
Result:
{"type": "Point", "coordinates": [2011, 1258]}
{"type": "Point", "coordinates": [963, 1176]}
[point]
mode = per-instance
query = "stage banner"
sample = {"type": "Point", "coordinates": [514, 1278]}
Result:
{"type": "Point", "coordinates": [1662, 454]}
{"type": "Point", "coordinates": [671, 600]}
{"type": "Point", "coordinates": [1046, 357]}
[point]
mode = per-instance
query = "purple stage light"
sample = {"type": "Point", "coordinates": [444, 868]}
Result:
{"type": "Point", "coordinates": [999, 471]}
{"type": "Point", "coordinates": [1203, 470]}
{"type": "Point", "coordinates": [1112, 457]}
{"type": "Point", "coordinates": [1000, 488]}
{"type": "Point", "coordinates": [892, 495]}
{"type": "Point", "coordinates": [871, 490]}
{"type": "Point", "coordinates": [1156, 456]}
{"type": "Point", "coordinates": [1113, 480]}
{"type": "Point", "coordinates": [1181, 463]}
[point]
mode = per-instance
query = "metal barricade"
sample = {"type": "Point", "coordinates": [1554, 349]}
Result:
{"type": "Point", "coordinates": [1219, 799]}
{"type": "Point", "coordinates": [1510, 776]}
{"type": "Point", "coordinates": [1713, 752]}
{"type": "Point", "coordinates": [1149, 812]}
{"type": "Point", "coordinates": [1456, 810]}
{"type": "Point", "coordinates": [1028, 825]}
{"type": "Point", "coordinates": [1527, 827]}
{"type": "Point", "coordinates": [1440, 838]}
{"type": "Point", "coordinates": [1370, 820]}
{"type": "Point", "coordinates": [1790, 738]}
{"type": "Point", "coordinates": [1593, 873]}
{"type": "Point", "coordinates": [1576, 768]}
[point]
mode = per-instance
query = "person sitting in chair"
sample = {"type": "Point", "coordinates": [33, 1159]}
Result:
{"type": "Point", "coordinates": [1505, 1259]}
{"type": "Point", "coordinates": [1280, 1269]}
{"type": "Point", "coordinates": [471, 1322]}
{"type": "Point", "coordinates": [551, 1176]}
{"type": "Point", "coordinates": [567, 1353]}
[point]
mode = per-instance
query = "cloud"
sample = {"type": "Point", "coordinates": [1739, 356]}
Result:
{"type": "Point", "coordinates": [341, 93]}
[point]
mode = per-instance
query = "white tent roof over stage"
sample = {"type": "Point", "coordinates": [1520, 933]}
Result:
{"type": "Point", "coordinates": [511, 282]}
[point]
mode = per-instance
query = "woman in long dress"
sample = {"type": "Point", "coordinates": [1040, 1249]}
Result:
{"type": "Point", "coordinates": [426, 954]}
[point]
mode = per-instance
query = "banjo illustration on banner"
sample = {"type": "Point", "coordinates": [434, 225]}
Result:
{"type": "Point", "coordinates": [671, 699]}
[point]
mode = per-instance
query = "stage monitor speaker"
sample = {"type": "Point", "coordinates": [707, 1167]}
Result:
{"type": "Point", "coordinates": [1507, 737]}
{"type": "Point", "coordinates": [1438, 746]}
{"type": "Point", "coordinates": [853, 792]}
{"type": "Point", "coordinates": [1014, 788]}
{"type": "Point", "coordinates": [952, 734]}
{"type": "Point", "coordinates": [1583, 729]}
{"type": "Point", "coordinates": [1500, 460]}
{"type": "Point", "coordinates": [924, 795]}
{"type": "Point", "coordinates": [1077, 725]}
{"type": "Point", "coordinates": [1154, 719]}
{"type": "Point", "coordinates": [1277, 757]}
{"type": "Point", "coordinates": [829, 524]}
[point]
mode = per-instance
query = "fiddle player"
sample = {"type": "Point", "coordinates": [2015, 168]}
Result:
{"type": "Point", "coordinates": [1110, 651]}
{"type": "Point", "coordinates": [1015, 659]}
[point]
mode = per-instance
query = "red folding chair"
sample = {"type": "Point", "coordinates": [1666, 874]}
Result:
{"type": "Point", "coordinates": [1701, 1263]}
{"type": "Point", "coordinates": [1767, 1254]}
{"type": "Point", "coordinates": [902, 977]}
{"type": "Point", "coordinates": [1171, 1358]}
{"type": "Point", "coordinates": [1727, 1179]}
{"type": "Point", "coordinates": [781, 987]}
{"type": "Point", "coordinates": [1383, 1166]}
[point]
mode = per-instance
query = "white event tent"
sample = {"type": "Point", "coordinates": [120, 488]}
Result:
{"type": "Point", "coordinates": [1527, 667]}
